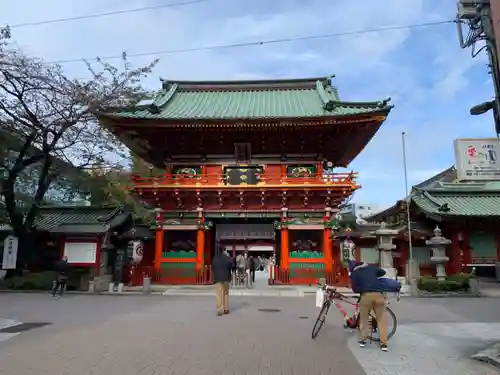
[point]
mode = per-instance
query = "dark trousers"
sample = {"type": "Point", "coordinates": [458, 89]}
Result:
{"type": "Point", "coordinates": [59, 284]}
{"type": "Point", "coordinates": [252, 275]}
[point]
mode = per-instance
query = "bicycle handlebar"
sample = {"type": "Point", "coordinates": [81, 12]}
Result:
{"type": "Point", "coordinates": [334, 290]}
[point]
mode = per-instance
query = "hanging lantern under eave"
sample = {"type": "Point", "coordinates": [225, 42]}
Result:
{"type": "Point", "coordinates": [135, 251]}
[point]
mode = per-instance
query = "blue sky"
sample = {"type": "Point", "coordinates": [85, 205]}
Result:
{"type": "Point", "coordinates": [431, 80]}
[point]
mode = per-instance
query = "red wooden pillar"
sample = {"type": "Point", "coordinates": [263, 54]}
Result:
{"type": "Point", "coordinates": [283, 170]}
{"type": "Point", "coordinates": [285, 252]}
{"type": "Point", "coordinates": [454, 264]}
{"type": "Point", "coordinates": [200, 247]}
{"type": "Point", "coordinates": [327, 249]}
{"type": "Point", "coordinates": [200, 239]}
{"type": "Point", "coordinates": [159, 243]}
{"type": "Point", "coordinates": [467, 254]}
{"type": "Point", "coordinates": [404, 254]}
{"type": "Point", "coordinates": [285, 242]}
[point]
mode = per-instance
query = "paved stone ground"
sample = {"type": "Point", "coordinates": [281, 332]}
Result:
{"type": "Point", "coordinates": [431, 348]}
{"type": "Point", "coordinates": [181, 335]}
{"type": "Point", "coordinates": [174, 335]}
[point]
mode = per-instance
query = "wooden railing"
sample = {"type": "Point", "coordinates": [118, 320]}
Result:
{"type": "Point", "coordinates": [484, 260]}
{"type": "Point", "coordinates": [346, 179]}
{"type": "Point", "coordinates": [172, 276]}
{"type": "Point", "coordinates": [304, 276]}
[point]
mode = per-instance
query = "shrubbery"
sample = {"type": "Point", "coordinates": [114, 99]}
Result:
{"type": "Point", "coordinates": [30, 281]}
{"type": "Point", "coordinates": [455, 283]}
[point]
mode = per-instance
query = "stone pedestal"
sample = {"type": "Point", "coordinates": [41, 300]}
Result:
{"type": "Point", "coordinates": [91, 286]}
{"type": "Point", "coordinates": [385, 247]}
{"type": "Point", "coordinates": [146, 285]}
{"type": "Point", "coordinates": [438, 245]}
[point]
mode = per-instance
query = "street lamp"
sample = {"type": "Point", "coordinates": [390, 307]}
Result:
{"type": "Point", "coordinates": [482, 108]}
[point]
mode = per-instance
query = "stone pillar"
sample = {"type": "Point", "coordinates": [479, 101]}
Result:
{"type": "Point", "coordinates": [438, 245]}
{"type": "Point", "coordinates": [385, 247]}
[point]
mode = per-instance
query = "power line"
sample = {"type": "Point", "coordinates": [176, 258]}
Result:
{"type": "Point", "coordinates": [98, 15]}
{"type": "Point", "coordinates": [255, 43]}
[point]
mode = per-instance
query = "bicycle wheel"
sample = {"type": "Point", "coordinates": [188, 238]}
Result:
{"type": "Point", "coordinates": [321, 319]}
{"type": "Point", "coordinates": [392, 325]}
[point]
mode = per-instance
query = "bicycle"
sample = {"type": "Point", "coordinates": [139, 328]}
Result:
{"type": "Point", "coordinates": [332, 296]}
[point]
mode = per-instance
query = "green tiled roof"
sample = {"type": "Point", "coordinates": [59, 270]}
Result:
{"type": "Point", "coordinates": [475, 204]}
{"type": "Point", "coordinates": [70, 219]}
{"type": "Point", "coordinates": [299, 98]}
{"type": "Point", "coordinates": [82, 219]}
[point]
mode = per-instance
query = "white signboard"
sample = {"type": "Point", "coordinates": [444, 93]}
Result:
{"type": "Point", "coordinates": [477, 159]}
{"type": "Point", "coordinates": [260, 248]}
{"type": "Point", "coordinates": [10, 246]}
{"type": "Point", "coordinates": [81, 252]}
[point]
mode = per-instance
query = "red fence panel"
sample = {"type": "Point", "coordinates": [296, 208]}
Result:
{"type": "Point", "coordinates": [172, 276]}
{"type": "Point", "coordinates": [301, 276]}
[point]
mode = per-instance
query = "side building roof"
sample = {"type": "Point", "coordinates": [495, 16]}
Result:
{"type": "Point", "coordinates": [78, 219]}
{"type": "Point", "coordinates": [458, 200]}
{"type": "Point", "coordinates": [442, 197]}
{"type": "Point", "coordinates": [448, 175]}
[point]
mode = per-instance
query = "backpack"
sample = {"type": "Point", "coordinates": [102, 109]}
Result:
{"type": "Point", "coordinates": [390, 285]}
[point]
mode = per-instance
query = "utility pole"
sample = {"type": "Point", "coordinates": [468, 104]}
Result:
{"type": "Point", "coordinates": [478, 17]}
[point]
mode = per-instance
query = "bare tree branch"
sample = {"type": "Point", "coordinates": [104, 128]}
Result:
{"type": "Point", "coordinates": [49, 121]}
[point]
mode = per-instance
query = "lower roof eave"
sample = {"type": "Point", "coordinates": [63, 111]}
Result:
{"type": "Point", "coordinates": [113, 120]}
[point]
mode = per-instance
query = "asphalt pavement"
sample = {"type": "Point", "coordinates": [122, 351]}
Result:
{"type": "Point", "coordinates": [85, 334]}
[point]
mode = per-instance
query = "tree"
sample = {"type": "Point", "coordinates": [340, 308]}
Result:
{"type": "Point", "coordinates": [111, 186]}
{"type": "Point", "coordinates": [51, 118]}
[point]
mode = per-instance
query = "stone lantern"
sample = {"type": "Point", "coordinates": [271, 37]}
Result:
{"type": "Point", "coordinates": [385, 246]}
{"type": "Point", "coordinates": [438, 245]}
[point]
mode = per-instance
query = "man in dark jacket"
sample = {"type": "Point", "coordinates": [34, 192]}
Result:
{"type": "Point", "coordinates": [365, 281]}
{"type": "Point", "coordinates": [222, 265]}
{"type": "Point", "coordinates": [252, 266]}
{"type": "Point", "coordinates": [62, 269]}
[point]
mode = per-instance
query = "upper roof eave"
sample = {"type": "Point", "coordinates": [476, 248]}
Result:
{"type": "Point", "coordinates": [116, 116]}
{"type": "Point", "coordinates": [234, 84]}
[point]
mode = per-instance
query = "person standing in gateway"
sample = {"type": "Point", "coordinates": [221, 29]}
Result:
{"type": "Point", "coordinates": [222, 266]}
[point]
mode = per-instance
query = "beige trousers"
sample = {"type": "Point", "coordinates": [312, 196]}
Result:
{"type": "Point", "coordinates": [222, 291]}
{"type": "Point", "coordinates": [372, 301]}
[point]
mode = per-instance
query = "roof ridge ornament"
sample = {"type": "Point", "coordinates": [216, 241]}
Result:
{"type": "Point", "coordinates": [329, 79]}
{"type": "Point", "coordinates": [163, 99]}
{"type": "Point", "coordinates": [328, 103]}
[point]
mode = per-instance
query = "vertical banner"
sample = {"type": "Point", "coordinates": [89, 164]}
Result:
{"type": "Point", "coordinates": [10, 246]}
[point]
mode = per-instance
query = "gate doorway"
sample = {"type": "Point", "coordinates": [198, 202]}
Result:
{"type": "Point", "coordinates": [255, 237]}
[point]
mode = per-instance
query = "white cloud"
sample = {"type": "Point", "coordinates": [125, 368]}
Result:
{"type": "Point", "coordinates": [431, 80]}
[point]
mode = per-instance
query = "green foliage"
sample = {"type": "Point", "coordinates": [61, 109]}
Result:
{"type": "Point", "coordinates": [348, 221]}
{"type": "Point", "coordinates": [112, 188]}
{"type": "Point", "coordinates": [141, 168]}
{"type": "Point", "coordinates": [455, 283]}
{"type": "Point", "coordinates": [31, 281]}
